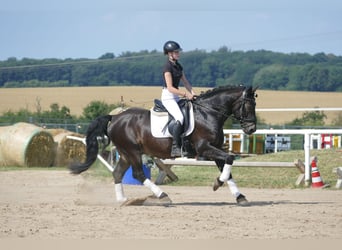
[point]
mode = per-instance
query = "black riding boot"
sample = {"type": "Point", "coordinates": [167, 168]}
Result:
{"type": "Point", "coordinates": [188, 151]}
{"type": "Point", "coordinates": [176, 143]}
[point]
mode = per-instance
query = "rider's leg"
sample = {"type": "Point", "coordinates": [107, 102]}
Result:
{"type": "Point", "coordinates": [176, 143]}
{"type": "Point", "coordinates": [170, 103]}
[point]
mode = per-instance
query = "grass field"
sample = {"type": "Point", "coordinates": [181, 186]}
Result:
{"type": "Point", "coordinates": [328, 159]}
{"type": "Point", "coordinates": [77, 98]}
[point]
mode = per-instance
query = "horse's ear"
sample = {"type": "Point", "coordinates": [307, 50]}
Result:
{"type": "Point", "coordinates": [253, 91]}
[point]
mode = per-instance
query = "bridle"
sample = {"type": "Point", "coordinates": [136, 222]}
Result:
{"type": "Point", "coordinates": [243, 116]}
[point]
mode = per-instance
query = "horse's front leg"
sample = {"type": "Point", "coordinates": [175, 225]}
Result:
{"type": "Point", "coordinates": [224, 162]}
{"type": "Point", "coordinates": [240, 198]}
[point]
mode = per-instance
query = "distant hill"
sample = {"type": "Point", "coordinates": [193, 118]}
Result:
{"type": "Point", "coordinates": [267, 69]}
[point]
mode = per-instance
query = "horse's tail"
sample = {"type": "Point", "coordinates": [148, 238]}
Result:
{"type": "Point", "coordinates": [97, 128]}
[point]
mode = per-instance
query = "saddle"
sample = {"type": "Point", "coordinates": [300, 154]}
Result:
{"type": "Point", "coordinates": [185, 109]}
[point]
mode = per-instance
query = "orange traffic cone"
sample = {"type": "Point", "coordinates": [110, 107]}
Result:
{"type": "Point", "coordinates": [317, 181]}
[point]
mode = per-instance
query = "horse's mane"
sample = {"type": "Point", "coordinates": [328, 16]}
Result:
{"type": "Point", "coordinates": [217, 90]}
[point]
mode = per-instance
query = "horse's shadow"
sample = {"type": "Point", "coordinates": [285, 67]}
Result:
{"type": "Point", "coordinates": [250, 204]}
{"type": "Point", "coordinates": [166, 202]}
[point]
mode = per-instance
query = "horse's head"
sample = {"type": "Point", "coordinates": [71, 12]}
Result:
{"type": "Point", "coordinates": [244, 110]}
{"type": "Point", "coordinates": [221, 102]}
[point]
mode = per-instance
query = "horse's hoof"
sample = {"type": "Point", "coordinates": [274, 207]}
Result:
{"type": "Point", "coordinates": [217, 184]}
{"type": "Point", "coordinates": [123, 199]}
{"type": "Point", "coordinates": [162, 195]}
{"type": "Point", "coordinates": [133, 202]}
{"type": "Point", "coordinates": [163, 200]}
{"type": "Point", "coordinates": [242, 201]}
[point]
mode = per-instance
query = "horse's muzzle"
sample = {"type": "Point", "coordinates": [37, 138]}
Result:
{"type": "Point", "coordinates": [249, 128]}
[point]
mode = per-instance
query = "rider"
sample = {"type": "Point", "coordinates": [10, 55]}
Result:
{"type": "Point", "coordinates": [173, 73]}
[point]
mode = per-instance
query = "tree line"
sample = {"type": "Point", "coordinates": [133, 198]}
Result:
{"type": "Point", "coordinates": [266, 69]}
{"type": "Point", "coordinates": [59, 115]}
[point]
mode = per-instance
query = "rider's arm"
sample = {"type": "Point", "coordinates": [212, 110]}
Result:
{"type": "Point", "coordinates": [188, 87]}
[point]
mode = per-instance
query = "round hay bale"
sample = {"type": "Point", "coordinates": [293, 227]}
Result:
{"type": "Point", "coordinates": [26, 145]}
{"type": "Point", "coordinates": [117, 111]}
{"type": "Point", "coordinates": [68, 150]}
{"type": "Point", "coordinates": [56, 131]}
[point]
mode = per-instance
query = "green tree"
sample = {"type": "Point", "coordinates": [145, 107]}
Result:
{"type": "Point", "coordinates": [313, 118]}
{"type": "Point", "coordinates": [96, 109]}
{"type": "Point", "coordinates": [108, 55]}
{"type": "Point", "coordinates": [57, 112]}
{"type": "Point", "coordinates": [338, 120]}
{"type": "Point", "coordinates": [10, 117]}
{"type": "Point", "coordinates": [295, 71]}
{"type": "Point", "coordinates": [273, 77]}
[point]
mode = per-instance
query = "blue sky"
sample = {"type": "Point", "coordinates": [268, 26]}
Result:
{"type": "Point", "coordinates": [88, 29]}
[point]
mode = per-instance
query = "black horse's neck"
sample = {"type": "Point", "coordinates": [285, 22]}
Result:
{"type": "Point", "coordinates": [225, 90]}
{"type": "Point", "coordinates": [217, 104]}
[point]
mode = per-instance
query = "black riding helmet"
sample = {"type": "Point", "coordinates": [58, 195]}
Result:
{"type": "Point", "coordinates": [171, 46]}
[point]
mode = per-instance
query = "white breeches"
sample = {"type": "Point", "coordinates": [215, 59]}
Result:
{"type": "Point", "coordinates": [170, 100]}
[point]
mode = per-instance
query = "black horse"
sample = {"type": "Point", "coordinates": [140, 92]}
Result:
{"type": "Point", "coordinates": [130, 132]}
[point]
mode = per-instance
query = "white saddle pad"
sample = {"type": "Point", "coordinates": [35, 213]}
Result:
{"type": "Point", "coordinates": [159, 120]}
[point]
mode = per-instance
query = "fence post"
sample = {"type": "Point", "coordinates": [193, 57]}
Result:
{"type": "Point", "coordinates": [307, 158]}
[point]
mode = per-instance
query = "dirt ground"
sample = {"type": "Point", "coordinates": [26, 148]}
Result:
{"type": "Point", "coordinates": [56, 205]}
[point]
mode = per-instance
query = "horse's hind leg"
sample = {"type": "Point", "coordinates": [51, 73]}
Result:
{"type": "Point", "coordinates": [138, 174]}
{"type": "Point", "coordinates": [136, 161]}
{"type": "Point", "coordinates": [118, 174]}
{"type": "Point", "coordinates": [119, 192]}
{"type": "Point", "coordinates": [160, 197]}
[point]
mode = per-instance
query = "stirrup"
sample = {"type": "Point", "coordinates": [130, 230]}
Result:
{"type": "Point", "coordinates": [185, 153]}
{"type": "Point", "coordinates": [176, 152]}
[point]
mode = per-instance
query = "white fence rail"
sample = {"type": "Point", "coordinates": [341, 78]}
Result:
{"type": "Point", "coordinates": [296, 109]}
{"type": "Point", "coordinates": [307, 137]}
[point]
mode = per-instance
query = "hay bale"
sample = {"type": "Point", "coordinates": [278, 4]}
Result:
{"type": "Point", "coordinates": [117, 111]}
{"type": "Point", "coordinates": [68, 150]}
{"type": "Point", "coordinates": [26, 145]}
{"type": "Point", "coordinates": [56, 131]}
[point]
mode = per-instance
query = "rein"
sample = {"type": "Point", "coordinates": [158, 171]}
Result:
{"type": "Point", "coordinates": [212, 109]}
{"type": "Point", "coordinates": [241, 118]}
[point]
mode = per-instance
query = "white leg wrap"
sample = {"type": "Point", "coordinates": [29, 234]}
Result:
{"type": "Point", "coordinates": [233, 187]}
{"type": "Point", "coordinates": [225, 172]}
{"type": "Point", "coordinates": [153, 187]}
{"type": "Point", "coordinates": [120, 196]}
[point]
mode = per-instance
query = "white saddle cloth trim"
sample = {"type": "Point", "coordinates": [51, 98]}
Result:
{"type": "Point", "coordinates": [159, 120]}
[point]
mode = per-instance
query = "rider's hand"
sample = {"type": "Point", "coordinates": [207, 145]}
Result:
{"type": "Point", "coordinates": [190, 96]}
